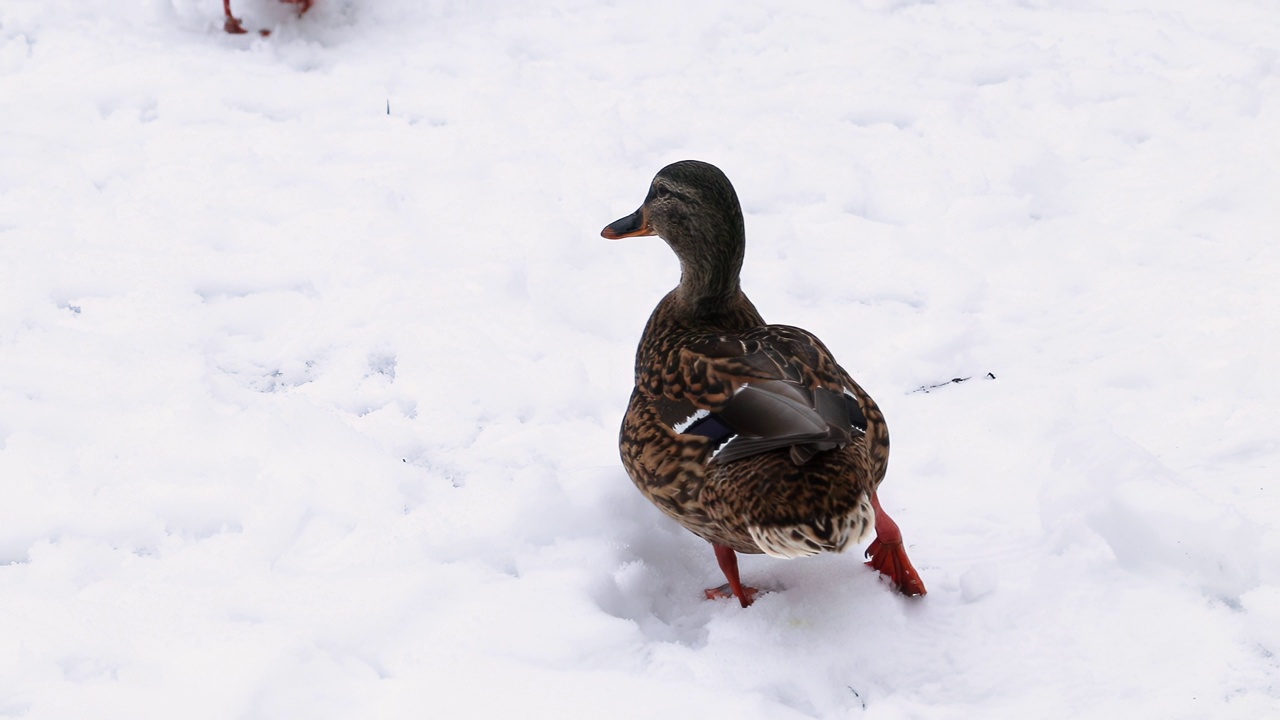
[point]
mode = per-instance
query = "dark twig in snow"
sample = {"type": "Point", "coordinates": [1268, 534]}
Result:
{"type": "Point", "coordinates": [952, 381]}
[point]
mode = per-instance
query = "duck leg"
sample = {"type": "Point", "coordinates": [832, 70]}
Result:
{"type": "Point", "coordinates": [734, 588]}
{"type": "Point", "coordinates": [232, 24]}
{"type": "Point", "coordinates": [889, 556]}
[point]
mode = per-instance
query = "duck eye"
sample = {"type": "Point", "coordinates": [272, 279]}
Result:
{"type": "Point", "coordinates": [662, 191]}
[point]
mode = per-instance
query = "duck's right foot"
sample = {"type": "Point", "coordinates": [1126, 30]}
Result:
{"type": "Point", "coordinates": [889, 556]}
{"type": "Point", "coordinates": [890, 559]}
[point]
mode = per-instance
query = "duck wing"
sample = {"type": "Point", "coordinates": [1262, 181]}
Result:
{"type": "Point", "coordinates": [770, 388]}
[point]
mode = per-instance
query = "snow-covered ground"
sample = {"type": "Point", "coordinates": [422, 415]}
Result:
{"type": "Point", "coordinates": [312, 358]}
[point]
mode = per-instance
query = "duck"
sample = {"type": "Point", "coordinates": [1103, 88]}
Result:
{"type": "Point", "coordinates": [749, 435]}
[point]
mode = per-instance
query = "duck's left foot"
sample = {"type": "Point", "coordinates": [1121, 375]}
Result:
{"type": "Point", "coordinates": [729, 565]}
{"type": "Point", "coordinates": [725, 592]}
{"type": "Point", "coordinates": [889, 556]}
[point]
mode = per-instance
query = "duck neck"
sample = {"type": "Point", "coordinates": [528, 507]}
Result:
{"type": "Point", "coordinates": [703, 286]}
{"type": "Point", "coordinates": [709, 270]}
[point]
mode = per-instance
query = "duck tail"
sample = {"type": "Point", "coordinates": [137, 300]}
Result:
{"type": "Point", "coordinates": [828, 534]}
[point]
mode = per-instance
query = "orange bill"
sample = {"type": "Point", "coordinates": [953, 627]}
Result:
{"type": "Point", "coordinates": [633, 225]}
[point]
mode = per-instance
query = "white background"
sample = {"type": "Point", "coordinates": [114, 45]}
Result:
{"type": "Point", "coordinates": [309, 409]}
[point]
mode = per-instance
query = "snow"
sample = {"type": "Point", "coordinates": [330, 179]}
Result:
{"type": "Point", "coordinates": [312, 358]}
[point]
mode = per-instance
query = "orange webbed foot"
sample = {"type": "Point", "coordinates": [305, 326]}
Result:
{"type": "Point", "coordinates": [729, 566]}
{"type": "Point", "coordinates": [725, 592]}
{"type": "Point", "coordinates": [232, 23]}
{"type": "Point", "coordinates": [889, 556]}
{"type": "Point", "coordinates": [890, 559]}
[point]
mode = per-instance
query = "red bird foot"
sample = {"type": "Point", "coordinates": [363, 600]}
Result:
{"type": "Point", "coordinates": [232, 23]}
{"type": "Point", "coordinates": [889, 556]}
{"type": "Point", "coordinates": [734, 588]}
{"type": "Point", "coordinates": [724, 592]}
{"type": "Point", "coordinates": [891, 560]}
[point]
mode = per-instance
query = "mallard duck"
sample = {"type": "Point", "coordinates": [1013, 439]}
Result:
{"type": "Point", "coordinates": [749, 435]}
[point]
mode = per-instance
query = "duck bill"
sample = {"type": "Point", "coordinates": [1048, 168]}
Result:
{"type": "Point", "coordinates": [633, 225]}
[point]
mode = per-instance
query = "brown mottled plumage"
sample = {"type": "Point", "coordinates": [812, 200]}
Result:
{"type": "Point", "coordinates": [750, 435]}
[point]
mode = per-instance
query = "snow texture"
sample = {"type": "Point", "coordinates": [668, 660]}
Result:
{"type": "Point", "coordinates": [312, 358]}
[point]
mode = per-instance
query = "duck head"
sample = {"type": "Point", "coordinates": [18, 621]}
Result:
{"type": "Point", "coordinates": [693, 207]}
